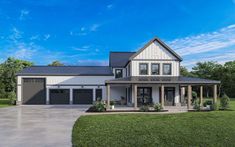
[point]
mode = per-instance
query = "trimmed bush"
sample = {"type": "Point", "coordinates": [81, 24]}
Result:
{"type": "Point", "coordinates": [207, 102]}
{"type": "Point", "coordinates": [98, 106]}
{"type": "Point", "coordinates": [214, 107]}
{"type": "Point", "coordinates": [224, 102]}
{"type": "Point", "coordinates": [144, 108]}
{"type": "Point", "coordinates": [158, 107]}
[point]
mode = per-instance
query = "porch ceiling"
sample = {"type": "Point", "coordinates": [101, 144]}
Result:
{"type": "Point", "coordinates": [161, 80]}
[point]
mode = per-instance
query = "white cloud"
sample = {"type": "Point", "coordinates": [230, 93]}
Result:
{"type": "Point", "coordinates": [34, 37]}
{"type": "Point", "coordinates": [110, 6]}
{"type": "Point", "coordinates": [83, 31]}
{"type": "Point", "coordinates": [23, 14]}
{"type": "Point", "coordinates": [83, 48]}
{"type": "Point", "coordinates": [15, 35]}
{"type": "Point", "coordinates": [94, 27]}
{"type": "Point", "coordinates": [206, 42]}
{"type": "Point", "coordinates": [47, 36]}
{"type": "Point", "coordinates": [92, 62]}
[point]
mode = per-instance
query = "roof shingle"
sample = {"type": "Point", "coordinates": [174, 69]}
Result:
{"type": "Point", "coordinates": [67, 70]}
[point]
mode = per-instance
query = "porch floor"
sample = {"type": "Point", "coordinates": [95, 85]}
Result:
{"type": "Point", "coordinates": [123, 108]}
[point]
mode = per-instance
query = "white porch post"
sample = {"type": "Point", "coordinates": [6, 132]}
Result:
{"type": "Point", "coordinates": [215, 94]}
{"type": "Point", "coordinates": [162, 96]}
{"type": "Point", "coordinates": [189, 96]}
{"type": "Point", "coordinates": [135, 96]}
{"type": "Point", "coordinates": [201, 95]}
{"type": "Point", "coordinates": [108, 95]}
{"type": "Point", "coordinates": [182, 94]}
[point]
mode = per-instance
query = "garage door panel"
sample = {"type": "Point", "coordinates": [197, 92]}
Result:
{"type": "Point", "coordinates": [34, 91]}
{"type": "Point", "coordinates": [82, 96]}
{"type": "Point", "coordinates": [59, 96]}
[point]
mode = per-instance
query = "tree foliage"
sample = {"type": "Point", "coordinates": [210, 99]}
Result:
{"type": "Point", "coordinates": [56, 63]}
{"type": "Point", "coordinates": [215, 71]}
{"type": "Point", "coordinates": [8, 70]}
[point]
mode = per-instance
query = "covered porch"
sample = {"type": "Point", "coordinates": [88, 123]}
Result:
{"type": "Point", "coordinates": [171, 92]}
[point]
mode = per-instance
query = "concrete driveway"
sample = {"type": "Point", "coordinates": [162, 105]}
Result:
{"type": "Point", "coordinates": [31, 126]}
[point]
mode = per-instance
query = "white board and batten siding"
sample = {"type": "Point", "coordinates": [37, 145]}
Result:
{"type": "Point", "coordinates": [155, 53]}
{"type": "Point", "coordinates": [68, 82]}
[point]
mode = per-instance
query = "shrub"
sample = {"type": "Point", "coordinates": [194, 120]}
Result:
{"type": "Point", "coordinates": [207, 102]}
{"type": "Point", "coordinates": [214, 107]}
{"type": "Point", "coordinates": [224, 102]}
{"type": "Point", "coordinates": [196, 105]}
{"type": "Point", "coordinates": [144, 108]}
{"type": "Point", "coordinates": [98, 106]}
{"type": "Point", "coordinates": [158, 107]}
{"type": "Point", "coordinates": [12, 97]}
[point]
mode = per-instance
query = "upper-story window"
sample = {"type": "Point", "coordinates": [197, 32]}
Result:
{"type": "Point", "coordinates": [166, 69]}
{"type": "Point", "coordinates": [143, 69]}
{"type": "Point", "coordinates": [155, 68]}
{"type": "Point", "coordinates": [118, 73]}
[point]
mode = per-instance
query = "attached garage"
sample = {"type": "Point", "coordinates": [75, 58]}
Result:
{"type": "Point", "coordinates": [59, 96]}
{"type": "Point", "coordinates": [82, 96]}
{"type": "Point", "coordinates": [34, 91]}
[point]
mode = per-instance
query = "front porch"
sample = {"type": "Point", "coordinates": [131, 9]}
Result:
{"type": "Point", "coordinates": [172, 93]}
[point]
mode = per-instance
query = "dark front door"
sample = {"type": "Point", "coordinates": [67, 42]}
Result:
{"type": "Point", "coordinates": [82, 96]}
{"type": "Point", "coordinates": [144, 95]}
{"type": "Point", "coordinates": [59, 96]}
{"type": "Point", "coordinates": [169, 96]}
{"type": "Point", "coordinates": [34, 91]}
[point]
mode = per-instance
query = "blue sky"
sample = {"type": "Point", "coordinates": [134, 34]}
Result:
{"type": "Point", "coordinates": [83, 32]}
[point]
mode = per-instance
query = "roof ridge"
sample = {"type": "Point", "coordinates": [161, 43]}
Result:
{"type": "Point", "coordinates": [68, 66]}
{"type": "Point", "coordinates": [121, 52]}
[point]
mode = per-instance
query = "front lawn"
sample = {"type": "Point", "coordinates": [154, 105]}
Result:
{"type": "Point", "coordinates": [4, 102]}
{"type": "Point", "coordinates": [186, 129]}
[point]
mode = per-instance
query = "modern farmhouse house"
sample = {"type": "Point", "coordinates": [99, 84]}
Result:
{"type": "Point", "coordinates": [150, 75]}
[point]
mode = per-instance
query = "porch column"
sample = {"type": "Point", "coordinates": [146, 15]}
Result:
{"type": "Point", "coordinates": [182, 94]}
{"type": "Point", "coordinates": [162, 96]}
{"type": "Point", "coordinates": [135, 96]}
{"type": "Point", "coordinates": [215, 94]}
{"type": "Point", "coordinates": [201, 95]}
{"type": "Point", "coordinates": [189, 96]}
{"type": "Point", "coordinates": [108, 95]}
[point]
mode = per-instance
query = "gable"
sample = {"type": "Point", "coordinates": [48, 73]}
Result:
{"type": "Point", "coordinates": [157, 50]}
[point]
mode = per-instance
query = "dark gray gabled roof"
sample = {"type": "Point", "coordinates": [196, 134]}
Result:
{"type": "Point", "coordinates": [161, 80]}
{"type": "Point", "coordinates": [162, 44]}
{"type": "Point", "coordinates": [66, 71]}
{"type": "Point", "coordinates": [119, 59]}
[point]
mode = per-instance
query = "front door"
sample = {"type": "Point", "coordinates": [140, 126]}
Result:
{"type": "Point", "coordinates": [144, 95]}
{"type": "Point", "coordinates": [169, 96]}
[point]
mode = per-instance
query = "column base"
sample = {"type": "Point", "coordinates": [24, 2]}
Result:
{"type": "Point", "coordinates": [18, 103]}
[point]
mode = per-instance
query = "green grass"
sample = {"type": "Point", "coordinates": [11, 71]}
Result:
{"type": "Point", "coordinates": [4, 103]}
{"type": "Point", "coordinates": [186, 129]}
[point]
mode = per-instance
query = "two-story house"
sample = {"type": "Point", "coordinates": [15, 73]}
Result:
{"type": "Point", "coordinates": [150, 75]}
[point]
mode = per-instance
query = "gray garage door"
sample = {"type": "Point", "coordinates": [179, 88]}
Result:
{"type": "Point", "coordinates": [82, 96]}
{"type": "Point", "coordinates": [34, 91]}
{"type": "Point", "coordinates": [59, 96]}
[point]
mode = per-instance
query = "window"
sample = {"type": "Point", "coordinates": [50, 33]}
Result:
{"type": "Point", "coordinates": [155, 69]}
{"type": "Point", "coordinates": [143, 69]}
{"type": "Point", "coordinates": [166, 69]}
{"type": "Point", "coordinates": [118, 73]}
{"type": "Point", "coordinates": [98, 94]}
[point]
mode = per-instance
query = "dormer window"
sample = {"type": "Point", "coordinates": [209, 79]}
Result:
{"type": "Point", "coordinates": [118, 73]}
{"type": "Point", "coordinates": [143, 69]}
{"type": "Point", "coordinates": [166, 69]}
{"type": "Point", "coordinates": [155, 68]}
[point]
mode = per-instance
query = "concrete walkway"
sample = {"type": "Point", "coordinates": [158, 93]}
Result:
{"type": "Point", "coordinates": [32, 126]}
